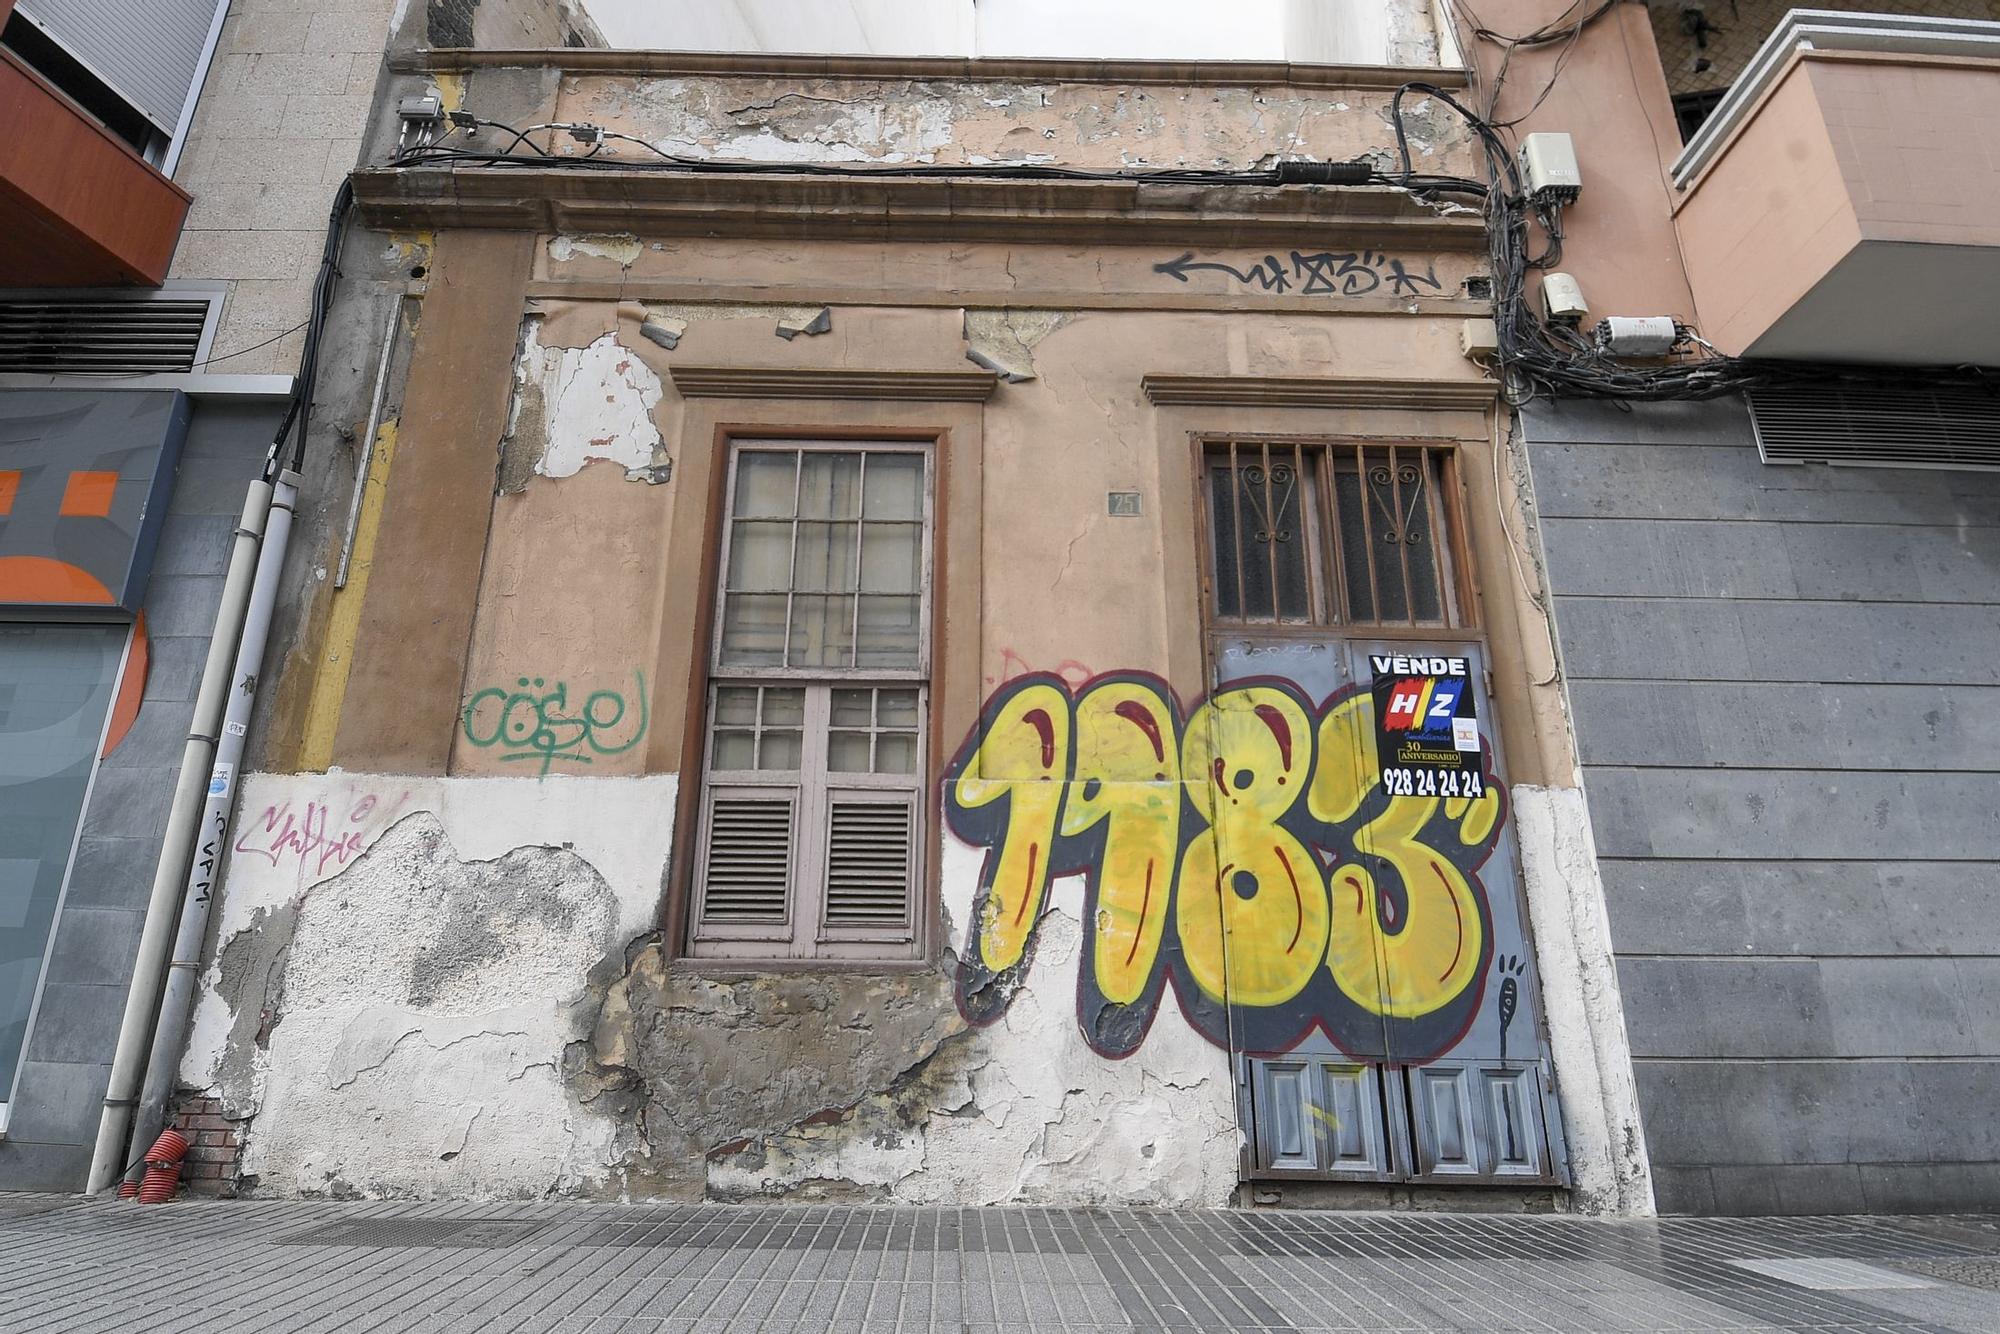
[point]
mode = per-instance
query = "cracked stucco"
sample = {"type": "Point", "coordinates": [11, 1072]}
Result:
{"type": "Point", "coordinates": [988, 122]}
{"type": "Point", "coordinates": [473, 1002]}
{"type": "Point", "coordinates": [852, 1086]}
{"type": "Point", "coordinates": [1567, 913]}
{"type": "Point", "coordinates": [1003, 341]}
{"type": "Point", "coordinates": [395, 1017]}
{"type": "Point", "coordinates": [577, 405]}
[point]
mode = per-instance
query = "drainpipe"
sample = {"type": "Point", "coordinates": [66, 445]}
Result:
{"type": "Point", "coordinates": [156, 937]}
{"type": "Point", "coordinates": [198, 892]}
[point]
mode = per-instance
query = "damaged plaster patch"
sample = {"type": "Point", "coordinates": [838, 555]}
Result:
{"type": "Point", "coordinates": [622, 247]}
{"type": "Point", "coordinates": [576, 405]}
{"type": "Point", "coordinates": [846, 1086]}
{"type": "Point", "coordinates": [421, 986]}
{"type": "Point", "coordinates": [1003, 341]}
{"type": "Point", "coordinates": [394, 1015]}
{"type": "Point", "coordinates": [811, 326]}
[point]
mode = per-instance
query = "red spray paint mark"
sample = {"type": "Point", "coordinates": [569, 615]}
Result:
{"type": "Point", "coordinates": [1144, 904]}
{"type": "Point", "coordinates": [1281, 731]}
{"type": "Point", "coordinates": [1137, 714]}
{"type": "Point", "coordinates": [1039, 720]}
{"type": "Point", "coordinates": [1298, 899]}
{"type": "Point", "coordinates": [1028, 885]}
{"type": "Point", "coordinates": [1458, 913]}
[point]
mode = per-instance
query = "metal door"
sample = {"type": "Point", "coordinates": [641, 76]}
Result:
{"type": "Point", "coordinates": [1412, 1048]}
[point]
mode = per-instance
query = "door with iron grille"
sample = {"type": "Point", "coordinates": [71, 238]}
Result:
{"type": "Point", "coordinates": [1384, 1013]}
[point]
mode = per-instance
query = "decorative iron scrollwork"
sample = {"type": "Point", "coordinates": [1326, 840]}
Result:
{"type": "Point", "coordinates": [1398, 527]}
{"type": "Point", "coordinates": [1266, 507]}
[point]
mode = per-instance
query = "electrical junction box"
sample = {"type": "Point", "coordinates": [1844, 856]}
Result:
{"type": "Point", "coordinates": [1562, 298]}
{"type": "Point", "coordinates": [1548, 166]}
{"type": "Point", "coordinates": [1479, 338]}
{"type": "Point", "coordinates": [1642, 336]}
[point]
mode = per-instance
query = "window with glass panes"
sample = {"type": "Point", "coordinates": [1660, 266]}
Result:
{"type": "Point", "coordinates": [810, 832]}
{"type": "Point", "coordinates": [1327, 533]}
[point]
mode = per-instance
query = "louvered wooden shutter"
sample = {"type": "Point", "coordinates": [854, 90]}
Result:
{"type": "Point", "coordinates": [747, 867]}
{"type": "Point", "coordinates": [868, 858]}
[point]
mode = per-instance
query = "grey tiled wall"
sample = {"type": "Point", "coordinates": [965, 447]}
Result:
{"type": "Point", "coordinates": [1786, 683]}
{"type": "Point", "coordinates": [53, 1121]}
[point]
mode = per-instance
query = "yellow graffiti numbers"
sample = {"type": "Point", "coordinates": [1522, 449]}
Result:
{"type": "Point", "coordinates": [1404, 955]}
{"type": "Point", "coordinates": [1127, 778]}
{"type": "Point", "coordinates": [1253, 911]}
{"type": "Point", "coordinates": [1297, 889]}
{"type": "Point", "coordinates": [1023, 756]}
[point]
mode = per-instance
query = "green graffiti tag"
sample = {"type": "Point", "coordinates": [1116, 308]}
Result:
{"type": "Point", "coordinates": [533, 721]}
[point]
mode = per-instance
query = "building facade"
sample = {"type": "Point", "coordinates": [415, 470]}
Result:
{"type": "Point", "coordinates": [952, 603]}
{"type": "Point", "coordinates": [858, 674]}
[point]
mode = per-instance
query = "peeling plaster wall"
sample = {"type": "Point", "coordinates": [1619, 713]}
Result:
{"type": "Point", "coordinates": [448, 987]}
{"type": "Point", "coordinates": [873, 1087]}
{"type": "Point", "coordinates": [982, 122]}
{"type": "Point", "coordinates": [402, 967]}
{"type": "Point", "coordinates": [576, 404]}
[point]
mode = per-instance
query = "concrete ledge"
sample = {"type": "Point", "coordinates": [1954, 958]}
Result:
{"type": "Point", "coordinates": [858, 206]}
{"type": "Point", "coordinates": [769, 65]}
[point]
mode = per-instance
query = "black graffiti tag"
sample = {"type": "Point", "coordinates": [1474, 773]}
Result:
{"type": "Point", "coordinates": [1321, 273]}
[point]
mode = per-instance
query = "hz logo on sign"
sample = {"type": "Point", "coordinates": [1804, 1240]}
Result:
{"type": "Point", "coordinates": [1427, 727]}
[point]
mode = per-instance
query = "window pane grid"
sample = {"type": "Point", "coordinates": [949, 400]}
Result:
{"type": "Point", "coordinates": [1381, 557]}
{"type": "Point", "coordinates": [818, 692]}
{"type": "Point", "coordinates": [848, 542]}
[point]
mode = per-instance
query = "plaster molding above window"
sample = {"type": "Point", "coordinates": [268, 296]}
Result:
{"type": "Point", "coordinates": [759, 64]}
{"type": "Point", "coordinates": [1288, 391]}
{"type": "Point", "coordinates": [801, 382]}
{"type": "Point", "coordinates": [660, 204]}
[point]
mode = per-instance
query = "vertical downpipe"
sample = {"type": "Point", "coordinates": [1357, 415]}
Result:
{"type": "Point", "coordinates": [198, 893]}
{"type": "Point", "coordinates": [162, 908]}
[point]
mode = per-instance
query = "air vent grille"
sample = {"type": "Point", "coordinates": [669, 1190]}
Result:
{"type": "Point", "coordinates": [134, 336]}
{"type": "Point", "coordinates": [749, 860]}
{"type": "Point", "coordinates": [1878, 428]}
{"type": "Point", "coordinates": [868, 864]}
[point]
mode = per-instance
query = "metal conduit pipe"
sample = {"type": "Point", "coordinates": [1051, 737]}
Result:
{"type": "Point", "coordinates": [135, 1030]}
{"type": "Point", "coordinates": [212, 832]}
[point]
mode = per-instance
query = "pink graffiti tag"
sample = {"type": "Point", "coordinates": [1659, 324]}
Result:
{"type": "Point", "coordinates": [314, 836]}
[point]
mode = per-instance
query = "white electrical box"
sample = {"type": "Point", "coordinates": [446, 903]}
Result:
{"type": "Point", "coordinates": [1562, 298]}
{"type": "Point", "coordinates": [1548, 167]}
{"type": "Point", "coordinates": [1640, 336]}
{"type": "Point", "coordinates": [1478, 339]}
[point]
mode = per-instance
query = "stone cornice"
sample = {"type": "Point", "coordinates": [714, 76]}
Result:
{"type": "Point", "coordinates": [1287, 391]}
{"type": "Point", "coordinates": [840, 382]}
{"type": "Point", "coordinates": [666, 64]}
{"type": "Point", "coordinates": [858, 206]}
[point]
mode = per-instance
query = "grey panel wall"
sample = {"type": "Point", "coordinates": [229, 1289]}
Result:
{"type": "Point", "coordinates": [53, 1121]}
{"type": "Point", "coordinates": [1786, 683]}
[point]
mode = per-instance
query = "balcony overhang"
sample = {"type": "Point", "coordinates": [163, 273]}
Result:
{"type": "Point", "coordinates": [77, 207]}
{"type": "Point", "coordinates": [1843, 202]}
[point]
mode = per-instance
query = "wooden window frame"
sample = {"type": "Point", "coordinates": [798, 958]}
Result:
{"type": "Point", "coordinates": [1327, 575]}
{"type": "Point", "coordinates": [804, 936]}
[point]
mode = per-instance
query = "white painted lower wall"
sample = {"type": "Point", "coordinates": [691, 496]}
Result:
{"type": "Point", "coordinates": [400, 1028]}
{"type": "Point", "coordinates": [403, 967]}
{"type": "Point", "coordinates": [1586, 1018]}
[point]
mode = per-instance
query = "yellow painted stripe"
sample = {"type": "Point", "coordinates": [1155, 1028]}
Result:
{"type": "Point", "coordinates": [344, 623]}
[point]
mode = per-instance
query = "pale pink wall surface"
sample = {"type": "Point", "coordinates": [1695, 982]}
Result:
{"type": "Point", "coordinates": [1844, 150]}
{"type": "Point", "coordinates": [1769, 219]}
{"type": "Point", "coordinates": [1918, 144]}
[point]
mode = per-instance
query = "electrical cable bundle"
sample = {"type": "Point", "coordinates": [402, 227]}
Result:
{"type": "Point", "coordinates": [1538, 357]}
{"type": "Point", "coordinates": [298, 411]}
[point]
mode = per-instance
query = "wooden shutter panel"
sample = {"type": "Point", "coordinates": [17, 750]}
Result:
{"type": "Point", "coordinates": [747, 870]}
{"type": "Point", "coordinates": [868, 858]}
